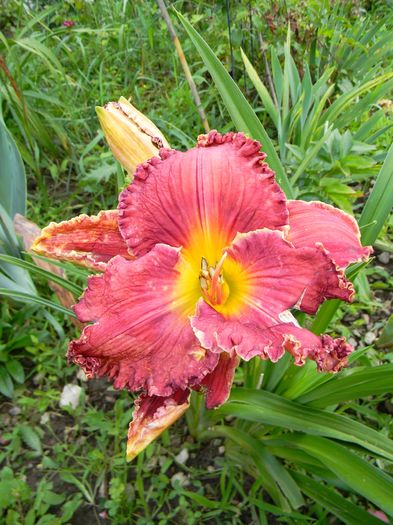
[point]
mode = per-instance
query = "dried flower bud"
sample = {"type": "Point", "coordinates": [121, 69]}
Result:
{"type": "Point", "coordinates": [132, 137]}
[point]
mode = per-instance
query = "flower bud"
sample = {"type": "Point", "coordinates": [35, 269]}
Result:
{"type": "Point", "coordinates": [132, 137]}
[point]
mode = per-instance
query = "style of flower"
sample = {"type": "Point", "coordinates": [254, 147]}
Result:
{"type": "Point", "coordinates": [201, 264]}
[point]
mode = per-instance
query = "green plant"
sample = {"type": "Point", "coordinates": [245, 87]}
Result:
{"type": "Point", "coordinates": [311, 121]}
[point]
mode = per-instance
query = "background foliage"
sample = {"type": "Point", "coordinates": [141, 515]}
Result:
{"type": "Point", "coordinates": [295, 446]}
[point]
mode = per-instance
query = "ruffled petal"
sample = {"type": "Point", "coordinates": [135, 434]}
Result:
{"type": "Point", "coordinates": [317, 222]}
{"type": "Point", "coordinates": [256, 334]}
{"type": "Point", "coordinates": [88, 241]}
{"type": "Point", "coordinates": [141, 337]}
{"type": "Point", "coordinates": [153, 415]}
{"type": "Point", "coordinates": [200, 199]}
{"type": "Point", "coordinates": [219, 382]}
{"type": "Point", "coordinates": [330, 355]}
{"type": "Point", "coordinates": [274, 277]}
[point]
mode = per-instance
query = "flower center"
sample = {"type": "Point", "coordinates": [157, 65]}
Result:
{"type": "Point", "coordinates": [211, 280]}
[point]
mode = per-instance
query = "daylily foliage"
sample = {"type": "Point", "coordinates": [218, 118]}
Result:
{"type": "Point", "coordinates": [202, 263]}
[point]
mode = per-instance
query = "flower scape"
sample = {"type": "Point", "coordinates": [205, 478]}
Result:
{"type": "Point", "coordinates": [201, 264]}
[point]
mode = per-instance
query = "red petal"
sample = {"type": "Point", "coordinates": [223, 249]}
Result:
{"type": "Point", "coordinates": [153, 415]}
{"type": "Point", "coordinates": [88, 241]}
{"type": "Point", "coordinates": [281, 276]}
{"type": "Point", "coordinates": [256, 334]}
{"type": "Point", "coordinates": [219, 382]}
{"type": "Point", "coordinates": [201, 196]}
{"type": "Point", "coordinates": [141, 338]}
{"type": "Point", "coordinates": [317, 222]}
{"type": "Point", "coordinates": [331, 355]}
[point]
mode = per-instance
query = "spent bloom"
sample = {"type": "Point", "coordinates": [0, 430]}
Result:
{"type": "Point", "coordinates": [202, 262]}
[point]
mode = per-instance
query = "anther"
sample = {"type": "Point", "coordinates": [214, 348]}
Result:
{"type": "Point", "coordinates": [211, 280]}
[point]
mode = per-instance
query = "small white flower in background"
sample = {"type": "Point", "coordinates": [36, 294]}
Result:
{"type": "Point", "coordinates": [70, 396]}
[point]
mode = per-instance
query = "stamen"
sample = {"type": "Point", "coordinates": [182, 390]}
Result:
{"type": "Point", "coordinates": [211, 280]}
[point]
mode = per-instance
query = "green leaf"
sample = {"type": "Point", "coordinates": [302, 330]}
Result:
{"type": "Point", "coordinates": [385, 340]}
{"type": "Point", "coordinates": [342, 102]}
{"type": "Point", "coordinates": [6, 384]}
{"type": "Point", "coordinates": [68, 267]}
{"type": "Point", "coordinates": [242, 114]}
{"type": "Point", "coordinates": [38, 48]}
{"type": "Point", "coordinates": [278, 79]}
{"type": "Point", "coordinates": [261, 90]}
{"type": "Point", "coordinates": [205, 502]}
{"type": "Point", "coordinates": [12, 175]}
{"type": "Point", "coordinates": [361, 476]}
{"type": "Point", "coordinates": [343, 508]}
{"type": "Point", "coordinates": [52, 498]}
{"type": "Point", "coordinates": [379, 203]}
{"type": "Point", "coordinates": [30, 437]}
{"type": "Point", "coordinates": [310, 155]}
{"type": "Point", "coordinates": [351, 384]}
{"type": "Point", "coordinates": [28, 298]}
{"type": "Point", "coordinates": [270, 409]}
{"type": "Point", "coordinates": [15, 369]}
{"type": "Point", "coordinates": [84, 489]}
{"type": "Point", "coordinates": [49, 276]}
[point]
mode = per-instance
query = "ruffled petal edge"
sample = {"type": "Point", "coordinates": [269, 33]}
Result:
{"type": "Point", "coordinates": [89, 241]}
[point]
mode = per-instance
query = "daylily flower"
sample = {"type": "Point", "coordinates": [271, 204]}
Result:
{"type": "Point", "coordinates": [202, 262]}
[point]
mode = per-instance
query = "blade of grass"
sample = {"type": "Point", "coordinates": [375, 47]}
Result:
{"type": "Point", "coordinates": [28, 298]}
{"type": "Point", "coordinates": [74, 288]}
{"type": "Point", "coordinates": [261, 90]}
{"type": "Point", "coordinates": [264, 461]}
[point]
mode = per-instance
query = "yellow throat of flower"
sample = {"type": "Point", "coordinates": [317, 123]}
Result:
{"type": "Point", "coordinates": [221, 282]}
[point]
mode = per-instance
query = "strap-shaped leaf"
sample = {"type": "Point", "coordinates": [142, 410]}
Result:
{"type": "Point", "coordinates": [360, 475]}
{"type": "Point", "coordinates": [357, 383]}
{"type": "Point", "coordinates": [261, 90]}
{"type": "Point", "coordinates": [344, 509]}
{"type": "Point", "coordinates": [28, 298]}
{"type": "Point", "coordinates": [64, 283]}
{"type": "Point", "coordinates": [12, 175]}
{"type": "Point", "coordinates": [271, 409]}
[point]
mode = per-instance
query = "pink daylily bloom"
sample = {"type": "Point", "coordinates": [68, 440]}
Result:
{"type": "Point", "coordinates": [202, 263]}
